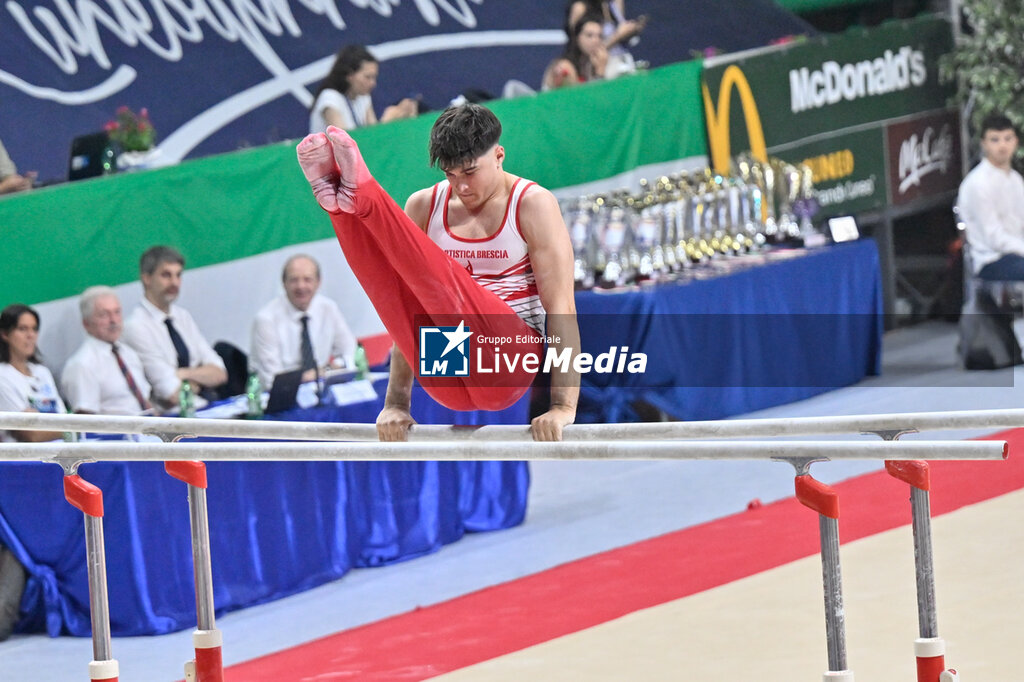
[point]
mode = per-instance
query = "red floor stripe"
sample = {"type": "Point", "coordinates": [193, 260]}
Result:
{"type": "Point", "coordinates": [584, 593]}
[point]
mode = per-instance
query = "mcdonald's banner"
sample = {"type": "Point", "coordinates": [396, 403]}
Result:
{"type": "Point", "coordinates": [844, 105]}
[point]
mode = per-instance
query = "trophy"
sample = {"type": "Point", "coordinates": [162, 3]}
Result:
{"type": "Point", "coordinates": [725, 237]}
{"type": "Point", "coordinates": [705, 218]}
{"type": "Point", "coordinates": [580, 219]}
{"type": "Point", "coordinates": [750, 202]}
{"type": "Point", "coordinates": [613, 236]}
{"type": "Point", "coordinates": [665, 212]}
{"type": "Point", "coordinates": [764, 176]}
{"type": "Point", "coordinates": [740, 229]}
{"type": "Point", "coordinates": [788, 185]}
{"type": "Point", "coordinates": [637, 252]}
{"type": "Point", "coordinates": [685, 254]}
{"type": "Point", "coordinates": [649, 233]}
{"type": "Point", "coordinates": [806, 206]}
{"type": "Point", "coordinates": [695, 245]}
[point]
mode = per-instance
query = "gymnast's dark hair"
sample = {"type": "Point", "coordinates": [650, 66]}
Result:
{"type": "Point", "coordinates": [461, 134]}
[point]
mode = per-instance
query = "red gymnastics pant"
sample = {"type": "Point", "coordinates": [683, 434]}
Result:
{"type": "Point", "coordinates": [412, 282]}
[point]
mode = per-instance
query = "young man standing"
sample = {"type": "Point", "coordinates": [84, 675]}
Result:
{"type": "Point", "coordinates": [483, 243]}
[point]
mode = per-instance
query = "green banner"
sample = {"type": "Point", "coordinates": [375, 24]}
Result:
{"type": "Point", "coordinates": [819, 5]}
{"type": "Point", "coordinates": [61, 239]}
{"type": "Point", "coordinates": [826, 102]}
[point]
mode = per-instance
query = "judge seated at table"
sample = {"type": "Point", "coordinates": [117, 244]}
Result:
{"type": "Point", "coordinates": [165, 336]}
{"type": "Point", "coordinates": [300, 329]}
{"type": "Point", "coordinates": [104, 376]}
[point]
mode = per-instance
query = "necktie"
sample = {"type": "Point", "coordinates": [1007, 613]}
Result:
{"type": "Point", "coordinates": [132, 386]}
{"type": "Point", "coordinates": [308, 359]}
{"type": "Point", "coordinates": [179, 343]}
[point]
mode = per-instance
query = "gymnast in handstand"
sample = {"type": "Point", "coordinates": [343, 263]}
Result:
{"type": "Point", "coordinates": [482, 244]}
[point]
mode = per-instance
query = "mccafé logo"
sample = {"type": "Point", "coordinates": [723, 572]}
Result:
{"type": "Point", "coordinates": [920, 155]}
{"type": "Point", "coordinates": [717, 116]}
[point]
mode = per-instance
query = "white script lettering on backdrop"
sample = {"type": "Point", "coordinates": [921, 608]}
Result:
{"type": "Point", "coordinates": [70, 34]}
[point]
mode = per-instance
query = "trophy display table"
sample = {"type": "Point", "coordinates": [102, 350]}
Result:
{"type": "Point", "coordinates": [276, 528]}
{"type": "Point", "coordinates": [739, 336]}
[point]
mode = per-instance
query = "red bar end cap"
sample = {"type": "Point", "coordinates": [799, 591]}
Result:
{"type": "Point", "coordinates": [817, 496]}
{"type": "Point", "coordinates": [193, 473]}
{"type": "Point", "coordinates": [83, 495]}
{"type": "Point", "coordinates": [914, 472]}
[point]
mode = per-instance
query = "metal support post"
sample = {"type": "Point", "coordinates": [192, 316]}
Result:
{"type": "Point", "coordinates": [929, 648]}
{"type": "Point", "coordinates": [824, 500]}
{"type": "Point", "coordinates": [89, 499]}
{"type": "Point", "coordinates": [208, 664]}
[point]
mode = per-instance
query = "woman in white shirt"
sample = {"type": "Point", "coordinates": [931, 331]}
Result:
{"type": "Point", "coordinates": [343, 99]}
{"type": "Point", "coordinates": [25, 384]}
{"type": "Point", "coordinates": [584, 58]}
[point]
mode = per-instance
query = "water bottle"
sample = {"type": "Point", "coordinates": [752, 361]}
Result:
{"type": "Point", "coordinates": [253, 397]}
{"type": "Point", "coordinates": [71, 436]}
{"type": "Point", "coordinates": [362, 364]}
{"type": "Point", "coordinates": [186, 400]}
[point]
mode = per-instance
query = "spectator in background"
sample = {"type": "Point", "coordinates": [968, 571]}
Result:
{"type": "Point", "coordinates": [584, 58]}
{"type": "Point", "coordinates": [10, 181]}
{"type": "Point", "coordinates": [26, 385]}
{"type": "Point", "coordinates": [104, 376]}
{"type": "Point", "coordinates": [616, 30]}
{"type": "Point", "coordinates": [991, 204]}
{"type": "Point", "coordinates": [344, 97]}
{"type": "Point", "coordinates": [300, 329]}
{"type": "Point", "coordinates": [165, 336]}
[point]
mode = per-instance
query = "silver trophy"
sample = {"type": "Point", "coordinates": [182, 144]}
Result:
{"type": "Point", "coordinates": [806, 205]}
{"type": "Point", "coordinates": [579, 217]}
{"type": "Point", "coordinates": [751, 202]}
{"type": "Point", "coordinates": [614, 243]}
{"type": "Point", "coordinates": [764, 176]}
{"type": "Point", "coordinates": [788, 187]}
{"type": "Point", "coordinates": [647, 235]}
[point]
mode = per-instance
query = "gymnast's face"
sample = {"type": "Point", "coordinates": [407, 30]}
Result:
{"type": "Point", "coordinates": [476, 181]}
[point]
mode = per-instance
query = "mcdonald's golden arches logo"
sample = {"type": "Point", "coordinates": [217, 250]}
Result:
{"type": "Point", "coordinates": [717, 116]}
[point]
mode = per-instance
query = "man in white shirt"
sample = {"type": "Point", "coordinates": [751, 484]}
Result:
{"type": "Point", "coordinates": [991, 204]}
{"type": "Point", "coordinates": [165, 336]}
{"type": "Point", "coordinates": [104, 376]}
{"type": "Point", "coordinates": [300, 329]}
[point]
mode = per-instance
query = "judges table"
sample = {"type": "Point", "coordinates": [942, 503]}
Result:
{"type": "Point", "coordinates": [276, 528]}
{"type": "Point", "coordinates": [740, 337]}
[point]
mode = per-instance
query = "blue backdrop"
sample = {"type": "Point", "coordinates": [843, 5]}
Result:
{"type": "Point", "coordinates": [218, 76]}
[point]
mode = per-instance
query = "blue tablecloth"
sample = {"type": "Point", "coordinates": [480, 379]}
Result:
{"type": "Point", "coordinates": [800, 324]}
{"type": "Point", "coordinates": [275, 528]}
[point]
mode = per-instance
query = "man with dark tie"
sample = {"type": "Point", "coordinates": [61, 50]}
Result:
{"type": "Point", "coordinates": [300, 329]}
{"type": "Point", "coordinates": [164, 334]}
{"type": "Point", "coordinates": [104, 376]}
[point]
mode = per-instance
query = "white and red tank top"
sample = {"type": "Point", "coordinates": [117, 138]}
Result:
{"type": "Point", "coordinates": [501, 262]}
